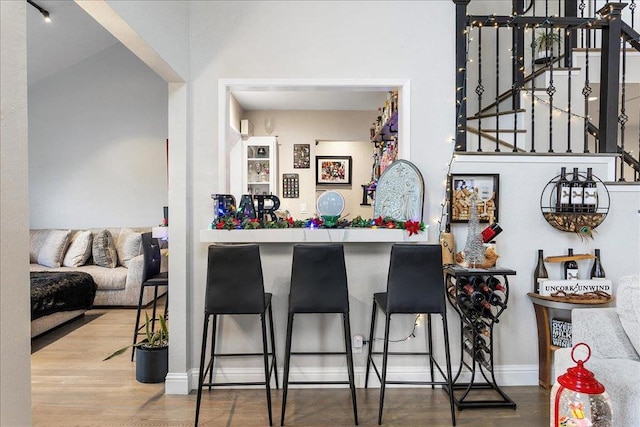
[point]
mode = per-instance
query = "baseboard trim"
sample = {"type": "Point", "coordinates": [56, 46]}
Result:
{"type": "Point", "coordinates": [177, 383]}
{"type": "Point", "coordinates": [506, 375]}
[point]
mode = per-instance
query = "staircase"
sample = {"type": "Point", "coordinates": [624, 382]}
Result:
{"type": "Point", "coordinates": [585, 100]}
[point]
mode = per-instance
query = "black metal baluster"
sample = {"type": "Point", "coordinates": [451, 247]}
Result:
{"type": "Point", "coordinates": [569, 60]}
{"type": "Point", "coordinates": [623, 118]}
{"type": "Point", "coordinates": [497, 87]}
{"type": "Point", "coordinates": [582, 6]}
{"type": "Point", "coordinates": [586, 92]}
{"type": "Point", "coordinates": [551, 90]}
{"type": "Point", "coordinates": [479, 88]}
{"type": "Point", "coordinates": [632, 7]}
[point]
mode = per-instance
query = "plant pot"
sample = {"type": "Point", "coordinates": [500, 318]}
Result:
{"type": "Point", "coordinates": [152, 364]}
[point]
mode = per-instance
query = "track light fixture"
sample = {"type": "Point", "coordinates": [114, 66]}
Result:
{"type": "Point", "coordinates": [43, 11]}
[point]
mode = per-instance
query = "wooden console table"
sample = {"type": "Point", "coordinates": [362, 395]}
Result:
{"type": "Point", "coordinates": [541, 305]}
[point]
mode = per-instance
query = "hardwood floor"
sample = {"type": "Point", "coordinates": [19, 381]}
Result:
{"type": "Point", "coordinates": [72, 386]}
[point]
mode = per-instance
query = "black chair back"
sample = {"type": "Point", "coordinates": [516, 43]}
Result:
{"type": "Point", "coordinates": [416, 282]}
{"type": "Point", "coordinates": [151, 252]}
{"type": "Point", "coordinates": [318, 279]}
{"type": "Point", "coordinates": [234, 280]}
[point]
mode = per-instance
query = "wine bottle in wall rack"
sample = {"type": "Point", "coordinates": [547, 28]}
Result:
{"type": "Point", "coordinates": [563, 192]}
{"type": "Point", "coordinates": [577, 192]}
{"type": "Point", "coordinates": [570, 268]}
{"type": "Point", "coordinates": [540, 272]}
{"type": "Point", "coordinates": [590, 193]}
{"type": "Point", "coordinates": [597, 271]}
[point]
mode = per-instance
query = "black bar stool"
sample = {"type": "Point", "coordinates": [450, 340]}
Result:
{"type": "Point", "coordinates": [415, 285]}
{"type": "Point", "coordinates": [319, 285]}
{"type": "Point", "coordinates": [235, 287]}
{"type": "Point", "coordinates": [151, 277]}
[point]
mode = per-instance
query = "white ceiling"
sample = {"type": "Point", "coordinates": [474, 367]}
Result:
{"type": "Point", "coordinates": [73, 35]}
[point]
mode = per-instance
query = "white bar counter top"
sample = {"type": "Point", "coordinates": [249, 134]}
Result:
{"type": "Point", "coordinates": [312, 235]}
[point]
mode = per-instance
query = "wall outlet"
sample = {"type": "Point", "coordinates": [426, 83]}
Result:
{"type": "Point", "coordinates": [357, 344]}
{"type": "Point", "coordinates": [303, 208]}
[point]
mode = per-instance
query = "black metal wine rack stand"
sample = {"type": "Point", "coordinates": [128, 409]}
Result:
{"type": "Point", "coordinates": [477, 321]}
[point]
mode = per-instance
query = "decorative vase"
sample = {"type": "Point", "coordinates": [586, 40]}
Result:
{"type": "Point", "coordinates": [152, 364]}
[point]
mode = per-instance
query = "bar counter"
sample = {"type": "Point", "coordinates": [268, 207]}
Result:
{"type": "Point", "coordinates": [313, 235]}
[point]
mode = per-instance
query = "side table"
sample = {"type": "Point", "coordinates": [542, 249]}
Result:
{"type": "Point", "coordinates": [541, 305]}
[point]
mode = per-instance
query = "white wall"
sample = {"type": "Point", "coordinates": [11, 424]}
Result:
{"type": "Point", "coordinates": [97, 152]}
{"type": "Point", "coordinates": [345, 133]}
{"type": "Point", "coordinates": [15, 342]}
{"type": "Point", "coordinates": [163, 25]}
{"type": "Point", "coordinates": [323, 40]}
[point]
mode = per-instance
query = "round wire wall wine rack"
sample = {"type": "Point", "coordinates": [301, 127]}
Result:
{"type": "Point", "coordinates": [575, 219]}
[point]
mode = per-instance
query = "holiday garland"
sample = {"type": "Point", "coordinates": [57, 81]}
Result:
{"type": "Point", "coordinates": [230, 222]}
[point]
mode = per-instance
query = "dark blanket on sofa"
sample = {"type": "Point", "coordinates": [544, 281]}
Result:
{"type": "Point", "coordinates": [52, 292]}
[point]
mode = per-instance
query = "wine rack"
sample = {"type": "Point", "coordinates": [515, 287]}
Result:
{"type": "Point", "coordinates": [479, 296]}
{"type": "Point", "coordinates": [573, 219]}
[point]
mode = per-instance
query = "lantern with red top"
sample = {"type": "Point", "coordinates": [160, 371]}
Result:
{"type": "Point", "coordinates": [578, 399]}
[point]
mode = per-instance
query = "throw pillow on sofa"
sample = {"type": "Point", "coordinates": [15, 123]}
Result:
{"type": "Point", "coordinates": [128, 246]}
{"type": "Point", "coordinates": [36, 240]}
{"type": "Point", "coordinates": [104, 250]}
{"type": "Point", "coordinates": [79, 249]}
{"type": "Point", "coordinates": [52, 252]}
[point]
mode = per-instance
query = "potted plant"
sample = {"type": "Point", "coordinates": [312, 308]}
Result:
{"type": "Point", "coordinates": [545, 42]}
{"type": "Point", "coordinates": [152, 354]}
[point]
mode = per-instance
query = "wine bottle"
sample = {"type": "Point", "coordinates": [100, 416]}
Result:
{"type": "Point", "coordinates": [577, 192]}
{"type": "Point", "coordinates": [477, 354]}
{"type": "Point", "coordinates": [563, 192]}
{"type": "Point", "coordinates": [490, 232]}
{"type": "Point", "coordinates": [495, 285]}
{"type": "Point", "coordinates": [590, 196]}
{"type": "Point", "coordinates": [464, 303]}
{"type": "Point", "coordinates": [496, 300]}
{"type": "Point", "coordinates": [540, 274]}
{"type": "Point", "coordinates": [484, 309]}
{"type": "Point", "coordinates": [597, 271]}
{"type": "Point", "coordinates": [477, 282]}
{"type": "Point", "coordinates": [476, 296]}
{"type": "Point", "coordinates": [570, 268]}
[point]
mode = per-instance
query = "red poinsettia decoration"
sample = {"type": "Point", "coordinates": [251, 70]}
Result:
{"type": "Point", "coordinates": [413, 227]}
{"type": "Point", "coordinates": [379, 221]}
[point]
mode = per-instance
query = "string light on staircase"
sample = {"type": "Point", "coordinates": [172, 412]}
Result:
{"type": "Point", "coordinates": [554, 108]}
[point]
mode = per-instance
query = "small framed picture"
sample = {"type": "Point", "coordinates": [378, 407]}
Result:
{"type": "Point", "coordinates": [333, 170]}
{"type": "Point", "coordinates": [301, 156]}
{"type": "Point", "coordinates": [484, 186]}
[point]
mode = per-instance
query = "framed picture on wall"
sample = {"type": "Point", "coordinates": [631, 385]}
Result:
{"type": "Point", "coordinates": [463, 186]}
{"type": "Point", "coordinates": [301, 156]}
{"type": "Point", "coordinates": [333, 170]}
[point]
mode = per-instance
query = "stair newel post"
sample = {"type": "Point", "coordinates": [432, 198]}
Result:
{"type": "Point", "coordinates": [497, 87]}
{"type": "Point", "coordinates": [569, 62]}
{"type": "Point", "coordinates": [479, 88]}
{"type": "Point", "coordinates": [461, 75]}
{"type": "Point", "coordinates": [533, 89]}
{"type": "Point", "coordinates": [609, 77]}
{"type": "Point", "coordinates": [518, 52]}
{"type": "Point", "coordinates": [570, 11]}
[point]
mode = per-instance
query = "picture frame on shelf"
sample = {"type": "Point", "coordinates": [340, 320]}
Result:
{"type": "Point", "coordinates": [333, 170]}
{"type": "Point", "coordinates": [485, 186]}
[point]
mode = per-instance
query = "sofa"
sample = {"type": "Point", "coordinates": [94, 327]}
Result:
{"type": "Point", "coordinates": [112, 256]}
{"type": "Point", "coordinates": [613, 334]}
